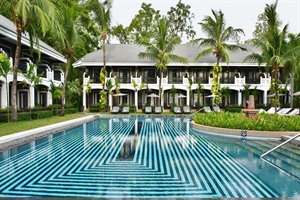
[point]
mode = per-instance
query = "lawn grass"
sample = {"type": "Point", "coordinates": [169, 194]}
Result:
{"type": "Point", "coordinates": [14, 127]}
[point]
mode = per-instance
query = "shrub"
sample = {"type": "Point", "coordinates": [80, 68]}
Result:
{"type": "Point", "coordinates": [44, 114]}
{"type": "Point", "coordinates": [71, 110]}
{"type": "Point", "coordinates": [264, 122]}
{"type": "Point", "coordinates": [234, 108]}
{"type": "Point", "coordinates": [93, 110]}
{"type": "Point", "coordinates": [24, 116]}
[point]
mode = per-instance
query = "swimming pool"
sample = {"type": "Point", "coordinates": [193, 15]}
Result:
{"type": "Point", "coordinates": [141, 158]}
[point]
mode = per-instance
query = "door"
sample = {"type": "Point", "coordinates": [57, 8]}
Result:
{"type": "Point", "coordinates": [23, 99]}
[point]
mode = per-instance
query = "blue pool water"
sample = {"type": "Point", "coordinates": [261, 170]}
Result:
{"type": "Point", "coordinates": [144, 158]}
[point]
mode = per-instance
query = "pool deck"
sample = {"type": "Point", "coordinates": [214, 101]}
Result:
{"type": "Point", "coordinates": [13, 140]}
{"type": "Point", "coordinates": [16, 139]}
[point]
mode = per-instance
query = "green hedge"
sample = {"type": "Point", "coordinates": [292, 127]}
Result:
{"type": "Point", "coordinates": [234, 108]}
{"type": "Point", "coordinates": [264, 122]}
{"type": "Point", "coordinates": [44, 114]}
{"type": "Point", "coordinates": [71, 110]}
{"type": "Point", "coordinates": [93, 110]}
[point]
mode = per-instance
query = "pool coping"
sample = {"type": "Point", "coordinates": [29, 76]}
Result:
{"type": "Point", "coordinates": [17, 139]}
{"type": "Point", "coordinates": [238, 133]}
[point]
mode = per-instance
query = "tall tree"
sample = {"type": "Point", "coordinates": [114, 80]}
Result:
{"type": "Point", "coordinates": [101, 16]}
{"type": "Point", "coordinates": [28, 16]}
{"type": "Point", "coordinates": [218, 34]}
{"type": "Point", "coordinates": [273, 45]}
{"type": "Point", "coordinates": [68, 40]}
{"type": "Point", "coordinates": [32, 80]}
{"type": "Point", "coordinates": [160, 47]}
{"type": "Point", "coordinates": [144, 23]}
{"type": "Point", "coordinates": [5, 68]}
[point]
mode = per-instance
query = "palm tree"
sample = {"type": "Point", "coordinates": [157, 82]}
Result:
{"type": "Point", "coordinates": [218, 34]}
{"type": "Point", "coordinates": [101, 16]}
{"type": "Point", "coordinates": [173, 93]}
{"type": "Point", "coordinates": [160, 47]}
{"type": "Point", "coordinates": [273, 44]}
{"type": "Point", "coordinates": [32, 81]}
{"type": "Point", "coordinates": [226, 94]}
{"type": "Point", "coordinates": [28, 16]}
{"type": "Point", "coordinates": [199, 90]}
{"type": "Point", "coordinates": [68, 40]}
{"type": "Point", "coordinates": [5, 68]}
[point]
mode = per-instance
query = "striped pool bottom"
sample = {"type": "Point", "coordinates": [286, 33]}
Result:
{"type": "Point", "coordinates": [128, 158]}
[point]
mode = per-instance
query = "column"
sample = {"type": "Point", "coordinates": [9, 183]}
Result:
{"type": "Point", "coordinates": [3, 96]}
{"type": "Point", "coordinates": [110, 101]}
{"type": "Point", "coordinates": [136, 99]}
{"type": "Point", "coordinates": [49, 98]}
{"type": "Point", "coordinates": [31, 93]}
{"type": "Point", "coordinates": [239, 98]}
{"type": "Point", "coordinates": [162, 98]}
{"type": "Point", "coordinates": [84, 97]}
{"type": "Point", "coordinates": [188, 98]}
{"type": "Point", "coordinates": [265, 97]}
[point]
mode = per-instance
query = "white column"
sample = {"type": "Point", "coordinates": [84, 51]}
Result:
{"type": "Point", "coordinates": [136, 99]}
{"type": "Point", "coordinates": [49, 98]}
{"type": "Point", "coordinates": [239, 98]}
{"type": "Point", "coordinates": [188, 98]}
{"type": "Point", "coordinates": [3, 96]}
{"type": "Point", "coordinates": [162, 98]}
{"type": "Point", "coordinates": [84, 97]}
{"type": "Point", "coordinates": [31, 93]}
{"type": "Point", "coordinates": [265, 97]}
{"type": "Point", "coordinates": [110, 101]}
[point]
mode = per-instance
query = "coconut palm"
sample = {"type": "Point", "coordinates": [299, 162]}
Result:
{"type": "Point", "coordinates": [28, 16]}
{"type": "Point", "coordinates": [160, 47]}
{"type": "Point", "coordinates": [173, 93]}
{"type": "Point", "coordinates": [69, 40]}
{"type": "Point", "coordinates": [32, 80]}
{"type": "Point", "coordinates": [218, 34]}
{"type": "Point", "coordinates": [5, 68]}
{"type": "Point", "coordinates": [273, 44]}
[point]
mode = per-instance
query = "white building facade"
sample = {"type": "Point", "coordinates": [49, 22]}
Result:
{"type": "Point", "coordinates": [47, 69]}
{"type": "Point", "coordinates": [123, 63]}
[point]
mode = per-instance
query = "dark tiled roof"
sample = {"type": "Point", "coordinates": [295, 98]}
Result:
{"type": "Point", "coordinates": [8, 29]}
{"type": "Point", "coordinates": [122, 54]}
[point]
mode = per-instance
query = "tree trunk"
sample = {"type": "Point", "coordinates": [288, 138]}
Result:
{"type": "Point", "coordinates": [276, 88]}
{"type": "Point", "coordinates": [14, 114]}
{"type": "Point", "coordinates": [7, 97]}
{"type": "Point", "coordinates": [159, 88]}
{"type": "Point", "coordinates": [63, 95]}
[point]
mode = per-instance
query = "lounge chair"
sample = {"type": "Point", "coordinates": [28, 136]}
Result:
{"type": "Point", "coordinates": [148, 109]}
{"type": "Point", "coordinates": [157, 110]}
{"type": "Point", "coordinates": [270, 111]}
{"type": "Point", "coordinates": [186, 109]}
{"type": "Point", "coordinates": [115, 109]}
{"type": "Point", "coordinates": [125, 110]}
{"type": "Point", "coordinates": [207, 109]}
{"type": "Point", "coordinates": [293, 112]}
{"type": "Point", "coordinates": [284, 111]}
{"type": "Point", "coordinates": [177, 110]}
{"type": "Point", "coordinates": [216, 109]}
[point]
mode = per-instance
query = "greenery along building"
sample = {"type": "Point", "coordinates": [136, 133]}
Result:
{"type": "Point", "coordinates": [138, 77]}
{"type": "Point", "coordinates": [29, 95]}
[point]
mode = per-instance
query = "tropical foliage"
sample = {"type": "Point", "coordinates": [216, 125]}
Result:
{"type": "Point", "coordinates": [241, 122]}
{"type": "Point", "coordinates": [5, 68]}
{"type": "Point", "coordinates": [160, 47]}
{"type": "Point", "coordinates": [218, 34]}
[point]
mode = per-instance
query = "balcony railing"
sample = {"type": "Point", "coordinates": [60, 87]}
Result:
{"type": "Point", "coordinates": [253, 80]}
{"type": "Point", "coordinates": [202, 80]}
{"type": "Point", "coordinates": [175, 80]}
{"type": "Point", "coordinates": [229, 80]}
{"type": "Point", "coordinates": [125, 80]}
{"type": "Point", "coordinates": [150, 80]}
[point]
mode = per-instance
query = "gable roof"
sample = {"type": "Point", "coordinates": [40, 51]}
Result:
{"type": "Point", "coordinates": [8, 29]}
{"type": "Point", "coordinates": [127, 55]}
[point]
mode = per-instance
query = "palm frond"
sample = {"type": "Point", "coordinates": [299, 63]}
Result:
{"type": "Point", "coordinates": [203, 53]}
{"type": "Point", "coordinates": [254, 57]}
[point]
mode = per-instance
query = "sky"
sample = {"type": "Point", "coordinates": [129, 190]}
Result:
{"type": "Point", "coordinates": [238, 13]}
